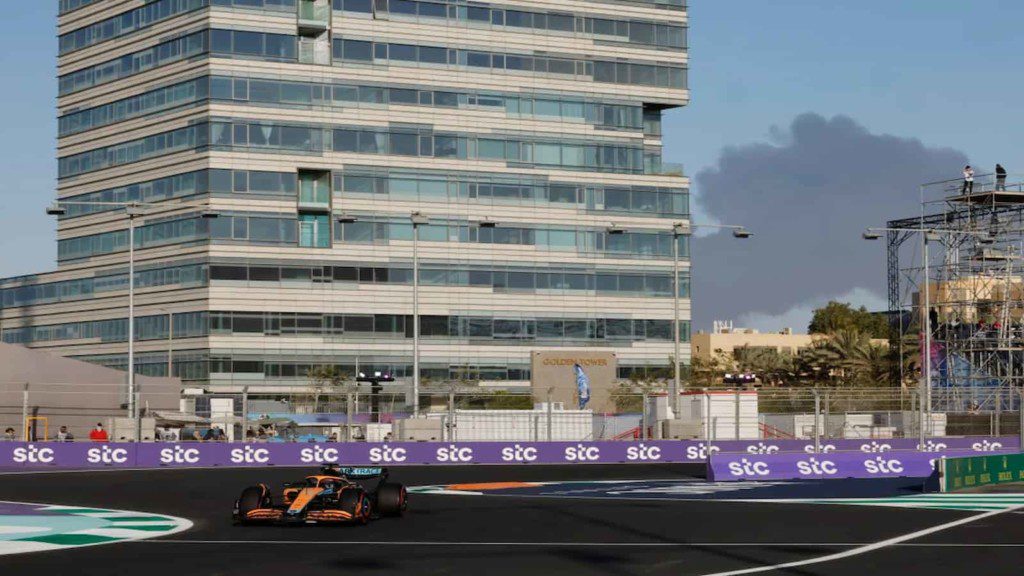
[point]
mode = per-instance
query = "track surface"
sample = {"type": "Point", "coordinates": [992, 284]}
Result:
{"type": "Point", "coordinates": [491, 535]}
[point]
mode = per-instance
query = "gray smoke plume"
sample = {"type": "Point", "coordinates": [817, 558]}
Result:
{"type": "Point", "coordinates": [807, 195]}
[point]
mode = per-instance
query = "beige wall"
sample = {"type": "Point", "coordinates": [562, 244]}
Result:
{"type": "Point", "coordinates": [705, 346]}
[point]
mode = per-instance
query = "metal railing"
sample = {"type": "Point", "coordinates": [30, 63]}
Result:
{"type": "Point", "coordinates": [361, 413]}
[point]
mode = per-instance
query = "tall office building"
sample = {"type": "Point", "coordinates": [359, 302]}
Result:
{"type": "Point", "coordinates": [278, 150]}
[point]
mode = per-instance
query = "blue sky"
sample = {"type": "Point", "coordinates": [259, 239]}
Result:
{"type": "Point", "coordinates": [942, 71]}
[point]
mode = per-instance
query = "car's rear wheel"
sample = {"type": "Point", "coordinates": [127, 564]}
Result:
{"type": "Point", "coordinates": [392, 500]}
{"type": "Point", "coordinates": [252, 498]}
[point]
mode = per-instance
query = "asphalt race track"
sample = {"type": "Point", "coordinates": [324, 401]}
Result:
{"type": "Point", "coordinates": [525, 535]}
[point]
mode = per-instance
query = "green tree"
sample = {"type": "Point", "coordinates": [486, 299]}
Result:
{"type": "Point", "coordinates": [772, 367]}
{"type": "Point", "coordinates": [324, 379]}
{"type": "Point", "coordinates": [837, 316]}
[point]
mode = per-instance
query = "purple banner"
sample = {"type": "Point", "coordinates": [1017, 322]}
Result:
{"type": "Point", "coordinates": [734, 467]}
{"type": "Point", "coordinates": [937, 444]}
{"type": "Point", "coordinates": [20, 455]}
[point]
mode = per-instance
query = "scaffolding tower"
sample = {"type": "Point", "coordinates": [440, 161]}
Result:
{"type": "Point", "coordinates": [974, 242]}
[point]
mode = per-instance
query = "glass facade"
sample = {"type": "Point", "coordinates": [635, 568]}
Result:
{"type": "Point", "coordinates": [560, 331]}
{"type": "Point", "coordinates": [277, 148]}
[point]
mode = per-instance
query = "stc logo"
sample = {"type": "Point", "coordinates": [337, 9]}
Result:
{"type": "Point", "coordinates": [518, 453]}
{"type": "Point", "coordinates": [250, 455]}
{"type": "Point", "coordinates": [642, 452]}
{"type": "Point", "coordinates": [387, 454]}
{"type": "Point", "coordinates": [881, 465]}
{"type": "Point", "coordinates": [747, 468]}
{"type": "Point", "coordinates": [453, 453]}
{"type": "Point", "coordinates": [875, 447]}
{"type": "Point", "coordinates": [700, 451]}
{"type": "Point", "coordinates": [930, 446]}
{"type": "Point", "coordinates": [318, 454]}
{"type": "Point", "coordinates": [762, 448]}
{"type": "Point", "coordinates": [825, 448]}
{"type": "Point", "coordinates": [582, 453]}
{"type": "Point", "coordinates": [179, 455]}
{"type": "Point", "coordinates": [986, 446]}
{"type": "Point", "coordinates": [33, 455]}
{"type": "Point", "coordinates": [815, 467]}
{"type": "Point", "coordinates": [106, 455]}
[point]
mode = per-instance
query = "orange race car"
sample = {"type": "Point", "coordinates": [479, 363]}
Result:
{"type": "Point", "coordinates": [336, 495]}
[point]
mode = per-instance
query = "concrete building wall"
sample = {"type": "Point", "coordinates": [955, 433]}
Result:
{"type": "Point", "coordinates": [525, 121]}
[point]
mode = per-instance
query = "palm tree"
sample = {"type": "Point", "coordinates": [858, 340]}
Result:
{"type": "Point", "coordinates": [818, 363]}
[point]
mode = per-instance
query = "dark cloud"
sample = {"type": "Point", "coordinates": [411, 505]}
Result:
{"type": "Point", "coordinates": [807, 196]}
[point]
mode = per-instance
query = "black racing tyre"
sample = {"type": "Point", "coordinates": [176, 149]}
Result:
{"type": "Point", "coordinates": [252, 498]}
{"type": "Point", "coordinates": [392, 500]}
{"type": "Point", "coordinates": [349, 501]}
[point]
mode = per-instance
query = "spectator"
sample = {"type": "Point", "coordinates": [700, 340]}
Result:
{"type": "Point", "coordinates": [166, 434]}
{"type": "Point", "coordinates": [333, 437]}
{"type": "Point", "coordinates": [64, 436]}
{"type": "Point", "coordinates": [1000, 177]}
{"type": "Point", "coordinates": [214, 434]}
{"type": "Point", "coordinates": [98, 434]}
{"type": "Point", "coordinates": [262, 435]}
{"type": "Point", "coordinates": [387, 437]}
{"type": "Point", "coordinates": [9, 435]}
{"type": "Point", "coordinates": [968, 187]}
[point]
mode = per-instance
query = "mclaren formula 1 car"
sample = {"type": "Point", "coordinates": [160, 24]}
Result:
{"type": "Point", "coordinates": [336, 495]}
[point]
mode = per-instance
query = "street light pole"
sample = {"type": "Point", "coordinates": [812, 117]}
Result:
{"type": "Point", "coordinates": [132, 404]}
{"type": "Point", "coordinates": [677, 231]}
{"type": "Point", "coordinates": [132, 210]}
{"type": "Point", "coordinates": [680, 229]}
{"type": "Point", "coordinates": [170, 344]}
{"type": "Point", "coordinates": [418, 220]}
{"type": "Point", "coordinates": [926, 393]}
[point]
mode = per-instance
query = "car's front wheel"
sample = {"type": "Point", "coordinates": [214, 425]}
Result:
{"type": "Point", "coordinates": [252, 498]}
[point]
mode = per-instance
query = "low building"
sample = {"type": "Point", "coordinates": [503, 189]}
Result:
{"type": "Point", "coordinates": [40, 392]}
{"type": "Point", "coordinates": [725, 340]}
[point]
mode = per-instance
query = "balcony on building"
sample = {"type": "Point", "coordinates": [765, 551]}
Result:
{"type": "Point", "coordinates": [314, 16]}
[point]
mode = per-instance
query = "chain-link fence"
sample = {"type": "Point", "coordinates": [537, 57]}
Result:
{"type": "Point", "coordinates": [352, 413]}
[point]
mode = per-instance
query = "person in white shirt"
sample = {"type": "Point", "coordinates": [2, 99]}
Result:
{"type": "Point", "coordinates": [968, 187]}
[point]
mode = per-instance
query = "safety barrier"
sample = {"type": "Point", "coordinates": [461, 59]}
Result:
{"type": "Point", "coordinates": [736, 467]}
{"type": "Point", "coordinates": [22, 455]}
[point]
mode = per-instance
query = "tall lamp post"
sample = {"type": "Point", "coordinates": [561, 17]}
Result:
{"type": "Point", "coordinates": [684, 229]}
{"type": "Point", "coordinates": [132, 210]}
{"type": "Point", "coordinates": [417, 219]}
{"type": "Point", "coordinates": [927, 235]}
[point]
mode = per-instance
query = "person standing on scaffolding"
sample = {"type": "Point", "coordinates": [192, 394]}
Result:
{"type": "Point", "coordinates": [1000, 177]}
{"type": "Point", "coordinates": [968, 187]}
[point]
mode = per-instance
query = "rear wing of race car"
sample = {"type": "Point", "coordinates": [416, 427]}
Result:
{"type": "Point", "coordinates": [355, 473]}
{"type": "Point", "coordinates": [365, 472]}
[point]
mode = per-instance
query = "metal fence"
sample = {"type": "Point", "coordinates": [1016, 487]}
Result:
{"type": "Point", "coordinates": [362, 413]}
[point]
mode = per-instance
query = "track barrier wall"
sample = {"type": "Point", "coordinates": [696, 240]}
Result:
{"type": "Point", "coordinates": [973, 471]}
{"type": "Point", "coordinates": [50, 455]}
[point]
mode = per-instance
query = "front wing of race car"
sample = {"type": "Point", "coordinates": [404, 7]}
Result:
{"type": "Point", "coordinates": [307, 506]}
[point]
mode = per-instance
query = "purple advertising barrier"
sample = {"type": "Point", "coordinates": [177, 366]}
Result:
{"type": "Point", "coordinates": [937, 444]}
{"type": "Point", "coordinates": [84, 455]}
{"type": "Point", "coordinates": [43, 455]}
{"type": "Point", "coordinates": [734, 467]}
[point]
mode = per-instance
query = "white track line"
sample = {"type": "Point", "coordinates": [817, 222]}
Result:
{"type": "Point", "coordinates": [580, 544]}
{"type": "Point", "coordinates": [868, 548]}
